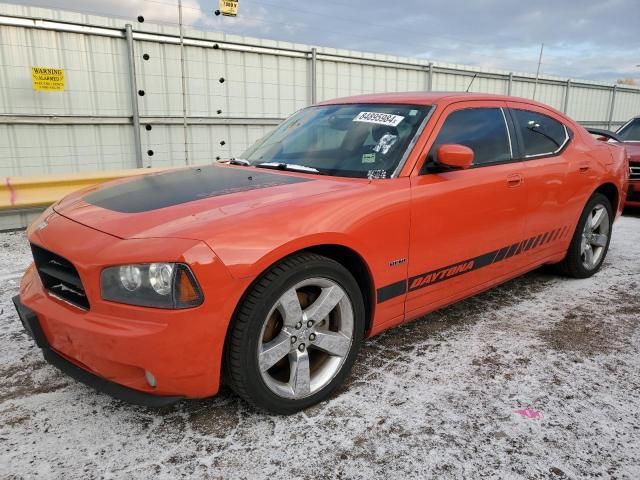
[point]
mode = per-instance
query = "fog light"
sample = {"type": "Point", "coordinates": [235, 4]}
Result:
{"type": "Point", "coordinates": [151, 380]}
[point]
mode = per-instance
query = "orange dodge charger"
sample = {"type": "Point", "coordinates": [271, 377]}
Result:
{"type": "Point", "coordinates": [267, 271]}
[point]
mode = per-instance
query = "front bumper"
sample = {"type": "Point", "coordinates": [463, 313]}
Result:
{"type": "Point", "coordinates": [32, 326]}
{"type": "Point", "coordinates": [114, 347]}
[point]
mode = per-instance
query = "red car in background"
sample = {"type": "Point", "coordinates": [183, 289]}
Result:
{"type": "Point", "coordinates": [629, 133]}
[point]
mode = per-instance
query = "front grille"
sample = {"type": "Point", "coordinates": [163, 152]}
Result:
{"type": "Point", "coordinates": [60, 277]}
{"type": "Point", "coordinates": [634, 172]}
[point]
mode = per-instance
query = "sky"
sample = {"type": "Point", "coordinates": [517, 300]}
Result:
{"type": "Point", "coordinates": [588, 39]}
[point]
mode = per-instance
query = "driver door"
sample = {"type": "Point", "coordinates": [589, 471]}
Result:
{"type": "Point", "coordinates": [466, 225]}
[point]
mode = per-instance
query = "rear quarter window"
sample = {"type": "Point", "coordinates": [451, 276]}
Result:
{"type": "Point", "coordinates": [540, 134]}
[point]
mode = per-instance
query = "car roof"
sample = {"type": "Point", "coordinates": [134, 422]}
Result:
{"type": "Point", "coordinates": [426, 98]}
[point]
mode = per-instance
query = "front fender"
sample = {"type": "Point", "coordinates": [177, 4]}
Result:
{"type": "Point", "coordinates": [271, 256]}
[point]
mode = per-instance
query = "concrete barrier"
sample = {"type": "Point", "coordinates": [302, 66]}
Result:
{"type": "Point", "coordinates": [20, 193]}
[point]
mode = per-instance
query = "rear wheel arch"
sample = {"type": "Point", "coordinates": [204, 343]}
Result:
{"type": "Point", "coordinates": [573, 264]}
{"type": "Point", "coordinates": [610, 191]}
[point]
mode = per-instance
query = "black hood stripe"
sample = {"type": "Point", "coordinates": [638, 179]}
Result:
{"type": "Point", "coordinates": [151, 192]}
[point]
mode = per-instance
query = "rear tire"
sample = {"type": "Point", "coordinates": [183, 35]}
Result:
{"type": "Point", "coordinates": [295, 335]}
{"type": "Point", "coordinates": [590, 242]}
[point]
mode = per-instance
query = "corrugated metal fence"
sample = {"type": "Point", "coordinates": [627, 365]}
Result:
{"type": "Point", "coordinates": [236, 89]}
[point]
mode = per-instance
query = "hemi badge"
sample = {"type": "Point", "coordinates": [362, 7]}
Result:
{"type": "Point", "coordinates": [399, 261]}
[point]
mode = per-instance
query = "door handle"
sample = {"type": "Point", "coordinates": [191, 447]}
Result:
{"type": "Point", "coordinates": [584, 167]}
{"type": "Point", "coordinates": [514, 180]}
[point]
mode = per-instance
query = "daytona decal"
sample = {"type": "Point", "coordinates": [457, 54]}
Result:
{"type": "Point", "coordinates": [445, 273]}
{"type": "Point", "coordinates": [438, 276]}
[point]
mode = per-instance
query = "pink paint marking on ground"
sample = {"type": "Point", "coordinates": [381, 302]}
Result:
{"type": "Point", "coordinates": [529, 413]}
{"type": "Point", "coordinates": [12, 191]}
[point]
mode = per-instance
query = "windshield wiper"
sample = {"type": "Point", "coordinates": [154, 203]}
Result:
{"type": "Point", "coordinates": [239, 161]}
{"type": "Point", "coordinates": [287, 166]}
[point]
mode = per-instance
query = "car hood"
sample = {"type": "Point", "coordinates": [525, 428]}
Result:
{"type": "Point", "coordinates": [186, 203]}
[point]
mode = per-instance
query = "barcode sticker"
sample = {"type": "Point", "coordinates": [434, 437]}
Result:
{"type": "Point", "coordinates": [379, 118]}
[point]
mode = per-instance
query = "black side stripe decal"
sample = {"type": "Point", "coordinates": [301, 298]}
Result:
{"type": "Point", "coordinates": [529, 244]}
{"type": "Point", "coordinates": [544, 239]}
{"type": "Point", "coordinates": [536, 241]}
{"type": "Point", "coordinates": [501, 254]}
{"type": "Point", "coordinates": [391, 291]}
{"type": "Point", "coordinates": [512, 251]}
{"type": "Point", "coordinates": [446, 273]}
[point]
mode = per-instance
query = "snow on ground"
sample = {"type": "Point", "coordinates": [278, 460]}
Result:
{"type": "Point", "coordinates": [433, 399]}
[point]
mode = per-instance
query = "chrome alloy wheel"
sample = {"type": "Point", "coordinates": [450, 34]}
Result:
{"type": "Point", "coordinates": [595, 236]}
{"type": "Point", "coordinates": [306, 338]}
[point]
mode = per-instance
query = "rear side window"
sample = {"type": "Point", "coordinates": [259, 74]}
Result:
{"type": "Point", "coordinates": [631, 131]}
{"type": "Point", "coordinates": [483, 130]}
{"type": "Point", "coordinates": [541, 135]}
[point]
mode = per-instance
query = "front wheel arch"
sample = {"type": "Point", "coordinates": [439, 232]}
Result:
{"type": "Point", "coordinates": [348, 257]}
{"type": "Point", "coordinates": [239, 369]}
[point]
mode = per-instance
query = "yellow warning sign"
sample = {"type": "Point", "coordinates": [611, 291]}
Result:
{"type": "Point", "coordinates": [48, 79]}
{"type": "Point", "coordinates": [229, 8]}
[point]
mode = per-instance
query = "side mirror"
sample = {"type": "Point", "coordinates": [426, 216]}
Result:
{"type": "Point", "coordinates": [455, 156]}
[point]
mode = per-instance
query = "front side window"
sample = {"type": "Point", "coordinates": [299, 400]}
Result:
{"type": "Point", "coordinates": [631, 131]}
{"type": "Point", "coordinates": [483, 130]}
{"type": "Point", "coordinates": [342, 140]}
{"type": "Point", "coordinates": [541, 135]}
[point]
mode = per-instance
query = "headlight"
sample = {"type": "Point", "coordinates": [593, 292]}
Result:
{"type": "Point", "coordinates": [161, 277]}
{"type": "Point", "coordinates": [160, 285]}
{"type": "Point", "coordinates": [130, 277]}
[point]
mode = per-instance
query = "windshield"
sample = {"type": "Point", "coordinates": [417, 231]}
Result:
{"type": "Point", "coordinates": [631, 131]}
{"type": "Point", "coordinates": [357, 140]}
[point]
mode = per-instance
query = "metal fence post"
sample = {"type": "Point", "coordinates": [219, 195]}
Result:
{"type": "Point", "coordinates": [510, 84]}
{"type": "Point", "coordinates": [135, 114]}
{"type": "Point", "coordinates": [567, 89]}
{"type": "Point", "coordinates": [314, 75]}
{"type": "Point", "coordinates": [431, 76]}
{"type": "Point", "coordinates": [612, 106]}
{"type": "Point", "coordinates": [185, 128]}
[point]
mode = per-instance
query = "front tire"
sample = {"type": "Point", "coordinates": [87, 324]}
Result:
{"type": "Point", "coordinates": [590, 242]}
{"type": "Point", "coordinates": [296, 334]}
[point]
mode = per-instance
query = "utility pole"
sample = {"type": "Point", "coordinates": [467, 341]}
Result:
{"type": "Point", "coordinates": [535, 85]}
{"type": "Point", "coordinates": [184, 86]}
{"type": "Point", "coordinates": [135, 112]}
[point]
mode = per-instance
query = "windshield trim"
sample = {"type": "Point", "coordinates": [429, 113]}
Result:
{"type": "Point", "coordinates": [412, 143]}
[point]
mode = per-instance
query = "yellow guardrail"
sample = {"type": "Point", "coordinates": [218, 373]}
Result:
{"type": "Point", "coordinates": [40, 191]}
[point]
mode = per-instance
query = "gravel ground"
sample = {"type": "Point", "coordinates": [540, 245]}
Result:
{"type": "Point", "coordinates": [539, 378]}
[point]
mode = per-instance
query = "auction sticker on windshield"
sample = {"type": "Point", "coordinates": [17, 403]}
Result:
{"type": "Point", "coordinates": [379, 118]}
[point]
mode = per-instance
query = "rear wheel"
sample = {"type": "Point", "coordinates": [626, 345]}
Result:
{"type": "Point", "coordinates": [296, 334]}
{"type": "Point", "coordinates": [591, 239]}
